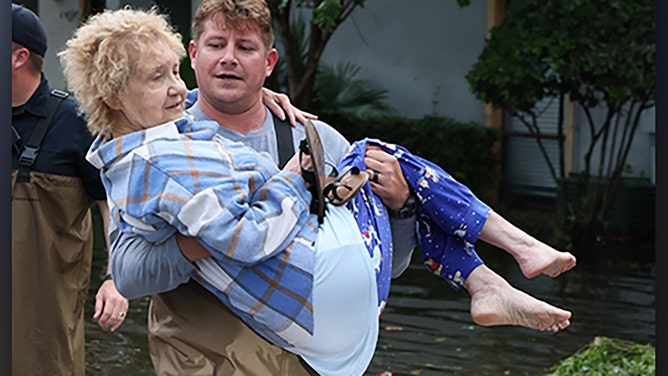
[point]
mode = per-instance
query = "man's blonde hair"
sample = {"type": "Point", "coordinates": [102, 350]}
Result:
{"type": "Point", "coordinates": [104, 53]}
{"type": "Point", "coordinates": [239, 15]}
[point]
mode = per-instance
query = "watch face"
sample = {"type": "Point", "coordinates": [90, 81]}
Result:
{"type": "Point", "coordinates": [403, 213]}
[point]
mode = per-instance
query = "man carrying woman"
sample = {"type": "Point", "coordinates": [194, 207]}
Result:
{"type": "Point", "coordinates": [140, 106]}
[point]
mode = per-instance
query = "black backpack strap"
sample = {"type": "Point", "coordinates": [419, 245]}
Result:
{"type": "Point", "coordinates": [17, 144]}
{"type": "Point", "coordinates": [31, 149]}
{"type": "Point", "coordinates": [284, 141]}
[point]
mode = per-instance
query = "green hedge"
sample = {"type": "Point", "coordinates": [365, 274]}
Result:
{"type": "Point", "coordinates": [609, 356]}
{"type": "Point", "coordinates": [465, 150]}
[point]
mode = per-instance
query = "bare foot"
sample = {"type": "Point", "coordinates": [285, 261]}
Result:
{"type": "Point", "coordinates": [543, 259]}
{"type": "Point", "coordinates": [495, 302]}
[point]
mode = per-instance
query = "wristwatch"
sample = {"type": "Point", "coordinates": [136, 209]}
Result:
{"type": "Point", "coordinates": [406, 211]}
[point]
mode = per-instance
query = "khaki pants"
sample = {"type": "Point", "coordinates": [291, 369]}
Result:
{"type": "Point", "coordinates": [192, 333]}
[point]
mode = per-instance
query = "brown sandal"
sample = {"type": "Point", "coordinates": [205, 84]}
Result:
{"type": "Point", "coordinates": [346, 186]}
{"type": "Point", "coordinates": [313, 147]}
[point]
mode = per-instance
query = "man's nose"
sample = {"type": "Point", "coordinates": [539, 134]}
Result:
{"type": "Point", "coordinates": [229, 55]}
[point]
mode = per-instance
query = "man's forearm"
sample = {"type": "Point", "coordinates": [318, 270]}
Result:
{"type": "Point", "coordinates": [404, 240]}
{"type": "Point", "coordinates": [104, 213]}
{"type": "Point", "coordinates": [140, 268]}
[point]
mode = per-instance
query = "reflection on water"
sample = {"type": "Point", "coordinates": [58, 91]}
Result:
{"type": "Point", "coordinates": [427, 330]}
{"type": "Point", "coordinates": [124, 352]}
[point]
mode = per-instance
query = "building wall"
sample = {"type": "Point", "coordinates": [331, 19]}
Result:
{"type": "Point", "coordinates": [641, 157]}
{"type": "Point", "coordinates": [419, 50]}
{"type": "Point", "coordinates": [60, 19]}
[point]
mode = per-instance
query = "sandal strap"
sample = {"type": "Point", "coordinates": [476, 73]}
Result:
{"type": "Point", "coordinates": [309, 176]}
{"type": "Point", "coordinates": [331, 189]}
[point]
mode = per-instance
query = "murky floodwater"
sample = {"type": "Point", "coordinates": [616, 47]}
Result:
{"type": "Point", "coordinates": [427, 330]}
{"type": "Point", "coordinates": [438, 337]}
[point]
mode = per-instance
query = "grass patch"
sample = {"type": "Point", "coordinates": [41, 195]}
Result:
{"type": "Point", "coordinates": [609, 356]}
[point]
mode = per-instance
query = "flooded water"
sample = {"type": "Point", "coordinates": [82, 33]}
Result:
{"type": "Point", "coordinates": [427, 329]}
{"type": "Point", "coordinates": [439, 338]}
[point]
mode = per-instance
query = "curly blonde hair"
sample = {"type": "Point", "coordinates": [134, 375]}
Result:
{"type": "Point", "coordinates": [239, 15]}
{"type": "Point", "coordinates": [104, 53]}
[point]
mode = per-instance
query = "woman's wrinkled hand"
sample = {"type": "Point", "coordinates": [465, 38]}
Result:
{"type": "Point", "coordinates": [280, 105]}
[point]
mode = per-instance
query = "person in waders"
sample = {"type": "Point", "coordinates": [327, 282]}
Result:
{"type": "Point", "coordinates": [53, 187]}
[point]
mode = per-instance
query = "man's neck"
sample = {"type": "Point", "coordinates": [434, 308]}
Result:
{"type": "Point", "coordinates": [243, 121]}
{"type": "Point", "coordinates": [23, 87]}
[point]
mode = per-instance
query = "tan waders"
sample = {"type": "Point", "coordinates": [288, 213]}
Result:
{"type": "Point", "coordinates": [52, 242]}
{"type": "Point", "coordinates": [192, 333]}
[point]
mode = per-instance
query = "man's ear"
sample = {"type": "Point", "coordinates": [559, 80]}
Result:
{"type": "Point", "coordinates": [272, 59]}
{"type": "Point", "coordinates": [192, 53]}
{"type": "Point", "coordinates": [20, 57]}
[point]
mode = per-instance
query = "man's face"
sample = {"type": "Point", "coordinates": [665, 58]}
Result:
{"type": "Point", "coordinates": [230, 65]}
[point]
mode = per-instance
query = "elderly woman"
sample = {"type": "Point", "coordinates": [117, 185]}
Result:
{"type": "Point", "coordinates": [314, 293]}
{"type": "Point", "coordinates": [164, 173]}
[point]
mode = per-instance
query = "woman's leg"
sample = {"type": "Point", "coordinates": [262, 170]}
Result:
{"type": "Point", "coordinates": [533, 256]}
{"type": "Point", "coordinates": [453, 208]}
{"type": "Point", "coordinates": [450, 220]}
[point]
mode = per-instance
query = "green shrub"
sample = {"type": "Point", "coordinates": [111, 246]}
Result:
{"type": "Point", "coordinates": [609, 356]}
{"type": "Point", "coordinates": [465, 150]}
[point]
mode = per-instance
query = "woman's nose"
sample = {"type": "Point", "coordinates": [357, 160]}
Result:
{"type": "Point", "coordinates": [178, 87]}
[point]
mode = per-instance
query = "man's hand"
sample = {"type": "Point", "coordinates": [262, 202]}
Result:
{"type": "Point", "coordinates": [387, 179]}
{"type": "Point", "coordinates": [279, 104]}
{"type": "Point", "coordinates": [111, 307]}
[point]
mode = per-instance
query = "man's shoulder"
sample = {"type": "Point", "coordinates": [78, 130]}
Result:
{"type": "Point", "coordinates": [325, 131]}
{"type": "Point", "coordinates": [68, 114]}
{"type": "Point", "coordinates": [331, 137]}
{"type": "Point", "coordinates": [333, 142]}
{"type": "Point", "coordinates": [68, 105]}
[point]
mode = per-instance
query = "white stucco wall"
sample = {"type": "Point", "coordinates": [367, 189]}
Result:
{"type": "Point", "coordinates": [419, 50]}
{"type": "Point", "coordinates": [641, 156]}
{"type": "Point", "coordinates": [60, 18]}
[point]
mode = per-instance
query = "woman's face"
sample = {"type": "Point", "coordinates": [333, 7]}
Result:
{"type": "Point", "coordinates": [154, 95]}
